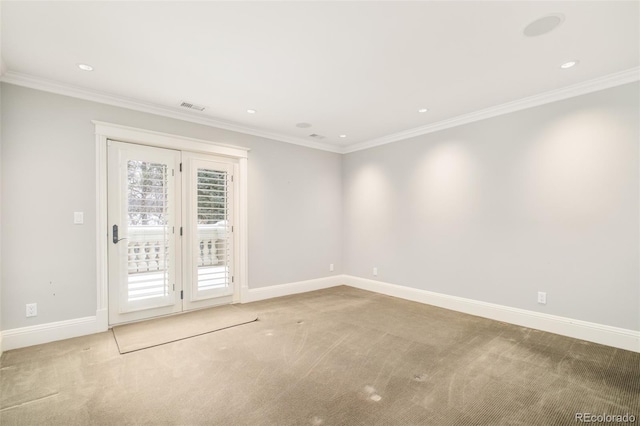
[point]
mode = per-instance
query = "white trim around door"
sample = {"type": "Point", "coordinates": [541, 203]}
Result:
{"type": "Point", "coordinates": [106, 131]}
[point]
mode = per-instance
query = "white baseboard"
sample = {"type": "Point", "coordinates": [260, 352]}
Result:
{"type": "Point", "coordinates": [598, 333]}
{"type": "Point", "coordinates": [50, 332]}
{"type": "Point", "coordinates": [255, 294]}
{"type": "Point", "coordinates": [603, 334]}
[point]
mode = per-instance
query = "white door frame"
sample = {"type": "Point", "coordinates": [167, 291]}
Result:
{"type": "Point", "coordinates": [104, 132]}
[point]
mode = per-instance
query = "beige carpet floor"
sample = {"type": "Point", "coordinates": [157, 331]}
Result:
{"type": "Point", "coordinates": [339, 356]}
{"type": "Point", "coordinates": [159, 331]}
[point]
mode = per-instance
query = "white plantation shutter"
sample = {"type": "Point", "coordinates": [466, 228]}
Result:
{"type": "Point", "coordinates": [210, 233]}
{"type": "Point", "coordinates": [213, 229]}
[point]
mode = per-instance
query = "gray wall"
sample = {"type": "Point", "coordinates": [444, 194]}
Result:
{"type": "Point", "coordinates": [545, 199]}
{"type": "Point", "coordinates": [542, 199]}
{"type": "Point", "coordinates": [48, 172]}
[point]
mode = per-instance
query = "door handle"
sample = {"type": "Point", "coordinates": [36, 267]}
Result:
{"type": "Point", "coordinates": [115, 235]}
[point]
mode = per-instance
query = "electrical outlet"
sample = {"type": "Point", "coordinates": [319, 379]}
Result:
{"type": "Point", "coordinates": [375, 271]}
{"type": "Point", "coordinates": [331, 267]}
{"type": "Point", "coordinates": [32, 309]}
{"type": "Point", "coordinates": [78, 218]}
{"type": "Point", "coordinates": [542, 298]}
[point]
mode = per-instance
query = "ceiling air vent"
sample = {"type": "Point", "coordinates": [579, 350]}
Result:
{"type": "Point", "coordinates": [316, 136]}
{"type": "Point", "coordinates": [192, 106]}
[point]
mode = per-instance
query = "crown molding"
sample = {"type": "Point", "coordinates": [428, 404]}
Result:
{"type": "Point", "coordinates": [589, 86]}
{"type": "Point", "coordinates": [34, 82]}
{"type": "Point", "coordinates": [594, 85]}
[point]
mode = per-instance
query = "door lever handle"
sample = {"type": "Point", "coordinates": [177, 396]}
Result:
{"type": "Point", "coordinates": [115, 235]}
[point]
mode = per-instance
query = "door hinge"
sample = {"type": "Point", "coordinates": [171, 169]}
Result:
{"type": "Point", "coordinates": [180, 166]}
{"type": "Point", "coordinates": [172, 172]}
{"type": "Point", "coordinates": [181, 294]}
{"type": "Point", "coordinates": [231, 178]}
{"type": "Point", "coordinates": [232, 229]}
{"type": "Point", "coordinates": [232, 278]}
{"type": "Point", "coordinates": [181, 231]}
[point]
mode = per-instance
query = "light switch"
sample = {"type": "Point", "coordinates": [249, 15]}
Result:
{"type": "Point", "coordinates": [78, 218]}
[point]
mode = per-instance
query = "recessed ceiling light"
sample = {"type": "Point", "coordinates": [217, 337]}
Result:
{"type": "Point", "coordinates": [303, 125]}
{"type": "Point", "coordinates": [569, 64]}
{"type": "Point", "coordinates": [543, 25]}
{"type": "Point", "coordinates": [85, 67]}
{"type": "Point", "coordinates": [423, 110]}
{"type": "Point", "coordinates": [251, 111]}
{"type": "Point", "coordinates": [343, 136]}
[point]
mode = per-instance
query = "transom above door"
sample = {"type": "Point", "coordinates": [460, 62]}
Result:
{"type": "Point", "coordinates": [171, 222]}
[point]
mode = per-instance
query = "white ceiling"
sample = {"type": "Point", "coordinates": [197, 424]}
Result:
{"type": "Point", "coordinates": [357, 68]}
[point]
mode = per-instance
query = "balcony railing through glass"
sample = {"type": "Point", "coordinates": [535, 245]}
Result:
{"type": "Point", "coordinates": [147, 253]}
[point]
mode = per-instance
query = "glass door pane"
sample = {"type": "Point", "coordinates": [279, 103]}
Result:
{"type": "Point", "coordinates": [212, 230]}
{"type": "Point", "coordinates": [148, 217]}
{"type": "Point", "coordinates": [209, 190]}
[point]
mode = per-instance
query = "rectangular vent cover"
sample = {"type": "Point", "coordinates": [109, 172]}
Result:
{"type": "Point", "coordinates": [192, 106]}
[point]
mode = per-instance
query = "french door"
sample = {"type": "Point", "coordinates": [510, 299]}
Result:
{"type": "Point", "coordinates": [170, 216]}
{"type": "Point", "coordinates": [209, 250]}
